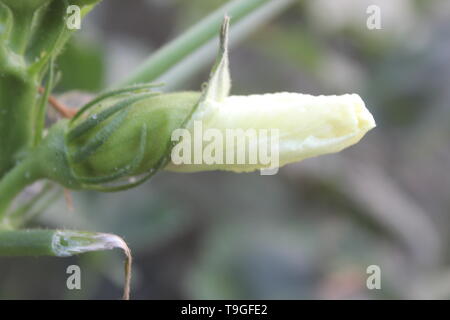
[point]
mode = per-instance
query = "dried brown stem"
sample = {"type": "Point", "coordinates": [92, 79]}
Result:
{"type": "Point", "coordinates": [64, 110]}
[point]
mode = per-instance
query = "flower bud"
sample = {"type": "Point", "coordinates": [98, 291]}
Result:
{"type": "Point", "coordinates": [128, 133]}
{"type": "Point", "coordinates": [305, 126]}
{"type": "Point", "coordinates": [116, 138]}
{"type": "Point", "coordinates": [235, 131]}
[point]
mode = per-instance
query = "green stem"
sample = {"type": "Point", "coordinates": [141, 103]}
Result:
{"type": "Point", "coordinates": [172, 53]}
{"type": "Point", "coordinates": [17, 116]}
{"type": "Point", "coordinates": [42, 107]}
{"type": "Point", "coordinates": [34, 207]}
{"type": "Point", "coordinates": [63, 243]}
{"type": "Point", "coordinates": [180, 74]}
{"type": "Point", "coordinates": [22, 175]}
{"type": "Point", "coordinates": [27, 243]}
{"type": "Point", "coordinates": [20, 123]}
{"type": "Point", "coordinates": [5, 21]}
{"type": "Point", "coordinates": [59, 243]}
{"type": "Point", "coordinates": [20, 34]}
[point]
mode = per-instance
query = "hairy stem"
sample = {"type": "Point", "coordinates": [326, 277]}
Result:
{"type": "Point", "coordinates": [17, 99]}
{"type": "Point", "coordinates": [20, 33]}
{"type": "Point", "coordinates": [27, 243]}
{"type": "Point", "coordinates": [42, 107]}
{"type": "Point", "coordinates": [23, 174]}
{"type": "Point", "coordinates": [23, 60]}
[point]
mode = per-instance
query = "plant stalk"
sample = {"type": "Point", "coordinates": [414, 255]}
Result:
{"type": "Point", "coordinates": [27, 243]}
{"type": "Point", "coordinates": [172, 53]}
{"type": "Point", "coordinates": [17, 100]}
{"type": "Point", "coordinates": [22, 22]}
{"type": "Point", "coordinates": [22, 175]}
{"type": "Point", "coordinates": [63, 243]}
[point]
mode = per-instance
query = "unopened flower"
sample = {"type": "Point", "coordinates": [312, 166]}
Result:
{"type": "Point", "coordinates": [305, 126]}
{"type": "Point", "coordinates": [127, 135]}
{"type": "Point", "coordinates": [120, 135]}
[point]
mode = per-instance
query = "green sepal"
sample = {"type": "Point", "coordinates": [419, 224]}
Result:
{"type": "Point", "coordinates": [123, 171]}
{"type": "Point", "coordinates": [99, 138]}
{"type": "Point", "coordinates": [130, 143]}
{"type": "Point", "coordinates": [115, 93]}
{"type": "Point", "coordinates": [95, 119]}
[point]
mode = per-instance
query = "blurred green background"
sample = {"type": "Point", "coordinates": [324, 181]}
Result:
{"type": "Point", "coordinates": [308, 232]}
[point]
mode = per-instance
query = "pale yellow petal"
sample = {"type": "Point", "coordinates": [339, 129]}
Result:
{"type": "Point", "coordinates": [308, 125]}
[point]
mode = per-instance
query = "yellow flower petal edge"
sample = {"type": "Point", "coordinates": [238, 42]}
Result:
{"type": "Point", "coordinates": [308, 125]}
{"type": "Point", "coordinates": [288, 127]}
